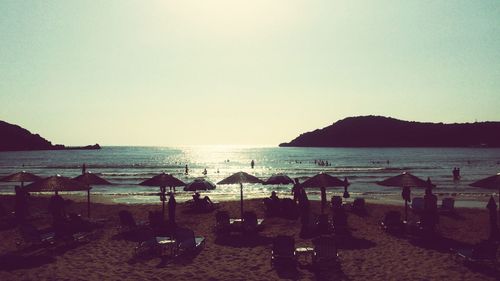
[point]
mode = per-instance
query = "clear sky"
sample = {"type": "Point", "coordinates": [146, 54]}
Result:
{"type": "Point", "coordinates": [241, 72]}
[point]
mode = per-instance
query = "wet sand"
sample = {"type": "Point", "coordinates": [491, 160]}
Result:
{"type": "Point", "coordinates": [370, 254]}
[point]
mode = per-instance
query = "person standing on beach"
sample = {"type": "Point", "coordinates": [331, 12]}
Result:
{"type": "Point", "coordinates": [171, 209]}
{"type": "Point", "coordinates": [492, 208]}
{"type": "Point", "coordinates": [430, 215]}
{"type": "Point", "coordinates": [304, 211]}
{"type": "Point", "coordinates": [186, 170]}
{"type": "Point", "coordinates": [296, 190]}
{"type": "Point", "coordinates": [252, 164]}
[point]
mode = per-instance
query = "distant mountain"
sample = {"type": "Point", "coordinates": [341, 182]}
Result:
{"type": "Point", "coordinates": [379, 131]}
{"type": "Point", "coordinates": [15, 138]}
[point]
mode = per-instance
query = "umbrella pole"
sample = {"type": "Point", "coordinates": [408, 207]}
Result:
{"type": "Point", "coordinates": [163, 198]}
{"type": "Point", "coordinates": [406, 210]}
{"type": "Point", "coordinates": [88, 203]}
{"type": "Point", "coordinates": [323, 198]}
{"type": "Point", "coordinates": [241, 200]}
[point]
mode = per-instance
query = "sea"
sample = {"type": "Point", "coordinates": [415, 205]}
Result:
{"type": "Point", "coordinates": [126, 167]}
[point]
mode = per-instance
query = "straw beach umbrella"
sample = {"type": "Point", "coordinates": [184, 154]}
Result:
{"type": "Point", "coordinates": [240, 178]}
{"type": "Point", "coordinates": [279, 179]}
{"type": "Point", "coordinates": [406, 181]}
{"type": "Point", "coordinates": [55, 184]}
{"type": "Point", "coordinates": [323, 181]}
{"type": "Point", "coordinates": [90, 179]}
{"type": "Point", "coordinates": [492, 182]}
{"type": "Point", "coordinates": [163, 180]}
{"type": "Point", "coordinates": [21, 177]}
{"type": "Point", "coordinates": [199, 184]}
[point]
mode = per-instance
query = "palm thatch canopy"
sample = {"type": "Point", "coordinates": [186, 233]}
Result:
{"type": "Point", "coordinates": [492, 182]}
{"type": "Point", "coordinates": [163, 180]}
{"type": "Point", "coordinates": [240, 177]}
{"type": "Point", "coordinates": [91, 179]}
{"type": "Point", "coordinates": [324, 180]}
{"type": "Point", "coordinates": [405, 180]}
{"type": "Point", "coordinates": [199, 184]}
{"type": "Point", "coordinates": [279, 179]}
{"type": "Point", "coordinates": [21, 177]}
{"type": "Point", "coordinates": [57, 183]}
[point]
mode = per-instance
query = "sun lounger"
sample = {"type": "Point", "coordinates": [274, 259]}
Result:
{"type": "Point", "coordinates": [325, 251]}
{"type": "Point", "coordinates": [283, 252]}
{"type": "Point", "coordinates": [187, 242]}
{"type": "Point", "coordinates": [31, 236]}
{"type": "Point", "coordinates": [392, 223]}
{"type": "Point", "coordinates": [128, 223]}
{"type": "Point", "coordinates": [150, 243]}
{"type": "Point", "coordinates": [323, 225]}
{"type": "Point", "coordinates": [447, 206]}
{"type": "Point", "coordinates": [483, 252]}
{"type": "Point", "coordinates": [417, 205]}
{"type": "Point", "coordinates": [358, 206]}
{"type": "Point", "coordinates": [222, 223]}
{"type": "Point", "coordinates": [337, 202]}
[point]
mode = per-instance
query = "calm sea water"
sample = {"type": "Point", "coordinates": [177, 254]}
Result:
{"type": "Point", "coordinates": [127, 166]}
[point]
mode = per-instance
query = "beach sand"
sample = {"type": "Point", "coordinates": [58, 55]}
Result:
{"type": "Point", "coordinates": [372, 254]}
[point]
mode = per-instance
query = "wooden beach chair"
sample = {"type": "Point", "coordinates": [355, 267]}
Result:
{"type": "Point", "coordinates": [150, 243]}
{"type": "Point", "coordinates": [483, 252]}
{"type": "Point", "coordinates": [283, 251]}
{"type": "Point", "coordinates": [392, 223]}
{"type": "Point", "coordinates": [187, 242]}
{"type": "Point", "coordinates": [222, 223]}
{"type": "Point", "coordinates": [128, 223]}
{"type": "Point", "coordinates": [250, 224]}
{"type": "Point", "coordinates": [32, 237]}
{"type": "Point", "coordinates": [325, 251]}
{"type": "Point", "coordinates": [447, 206]}
{"type": "Point", "coordinates": [417, 205]}
{"type": "Point", "coordinates": [358, 206]}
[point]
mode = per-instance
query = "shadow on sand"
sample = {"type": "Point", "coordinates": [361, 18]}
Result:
{"type": "Point", "coordinates": [243, 241]}
{"type": "Point", "coordinates": [32, 257]}
{"type": "Point", "coordinates": [354, 243]}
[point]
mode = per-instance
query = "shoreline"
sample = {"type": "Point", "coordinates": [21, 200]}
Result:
{"type": "Point", "coordinates": [461, 200]}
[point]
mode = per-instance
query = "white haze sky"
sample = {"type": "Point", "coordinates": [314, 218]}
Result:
{"type": "Point", "coordinates": [241, 72]}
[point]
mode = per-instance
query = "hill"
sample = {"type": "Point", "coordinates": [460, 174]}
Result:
{"type": "Point", "coordinates": [15, 138]}
{"type": "Point", "coordinates": [379, 131]}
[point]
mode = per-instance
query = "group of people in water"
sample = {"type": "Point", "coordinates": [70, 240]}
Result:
{"type": "Point", "coordinates": [322, 163]}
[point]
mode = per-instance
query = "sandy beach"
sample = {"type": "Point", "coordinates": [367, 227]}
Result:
{"type": "Point", "coordinates": [371, 253]}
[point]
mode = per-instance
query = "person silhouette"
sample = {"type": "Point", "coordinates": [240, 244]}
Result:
{"type": "Point", "coordinates": [171, 208]}
{"type": "Point", "coordinates": [252, 164]}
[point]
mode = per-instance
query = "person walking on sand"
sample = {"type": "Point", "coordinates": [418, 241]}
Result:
{"type": "Point", "coordinates": [252, 164]}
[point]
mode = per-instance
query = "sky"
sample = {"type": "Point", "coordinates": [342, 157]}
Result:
{"type": "Point", "coordinates": [254, 72]}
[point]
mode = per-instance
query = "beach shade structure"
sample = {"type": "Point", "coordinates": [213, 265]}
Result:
{"type": "Point", "coordinates": [21, 177]}
{"type": "Point", "coordinates": [199, 184]}
{"type": "Point", "coordinates": [406, 181]}
{"type": "Point", "coordinates": [492, 182]}
{"type": "Point", "coordinates": [163, 180]}
{"type": "Point", "coordinates": [279, 179]}
{"type": "Point", "coordinates": [55, 184]}
{"type": "Point", "coordinates": [240, 178]}
{"type": "Point", "coordinates": [323, 181]}
{"type": "Point", "coordinates": [90, 179]}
